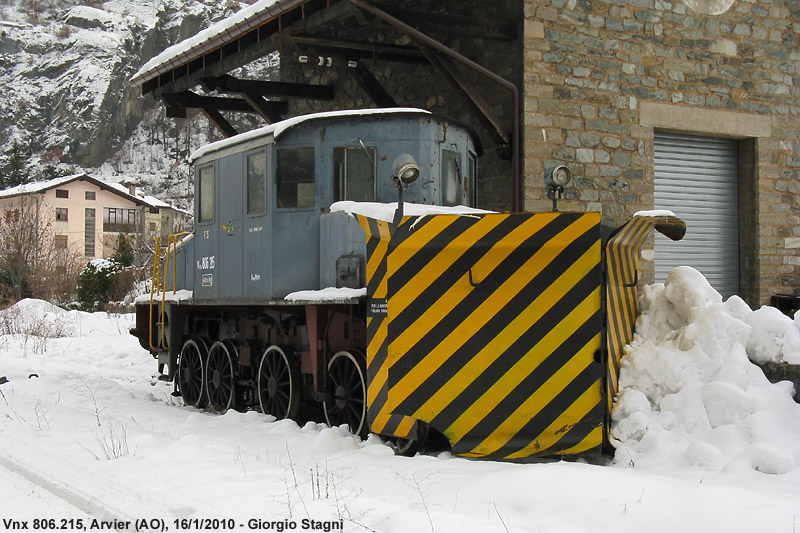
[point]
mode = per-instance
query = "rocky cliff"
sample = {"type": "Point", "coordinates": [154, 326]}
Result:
{"type": "Point", "coordinates": [65, 98]}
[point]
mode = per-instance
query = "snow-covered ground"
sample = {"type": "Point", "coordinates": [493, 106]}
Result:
{"type": "Point", "coordinates": [704, 441]}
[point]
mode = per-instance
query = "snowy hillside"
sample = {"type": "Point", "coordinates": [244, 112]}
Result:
{"type": "Point", "coordinates": [67, 102]}
{"type": "Point", "coordinates": [704, 441]}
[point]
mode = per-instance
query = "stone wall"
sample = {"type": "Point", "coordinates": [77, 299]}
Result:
{"type": "Point", "coordinates": [601, 75]}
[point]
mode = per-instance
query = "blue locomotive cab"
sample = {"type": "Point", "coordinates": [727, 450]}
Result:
{"type": "Point", "coordinates": [263, 225]}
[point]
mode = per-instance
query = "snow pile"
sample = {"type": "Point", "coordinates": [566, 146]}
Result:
{"type": "Point", "coordinates": [689, 394]}
{"type": "Point", "coordinates": [41, 321]}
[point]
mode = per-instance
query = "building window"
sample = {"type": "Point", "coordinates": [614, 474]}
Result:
{"type": "Point", "coordinates": [152, 226]}
{"type": "Point", "coordinates": [61, 214]}
{"type": "Point", "coordinates": [89, 228]}
{"type": "Point", "coordinates": [206, 207]}
{"type": "Point", "coordinates": [90, 195]}
{"type": "Point", "coordinates": [257, 183]}
{"type": "Point", "coordinates": [60, 242]}
{"type": "Point", "coordinates": [295, 177]}
{"type": "Point", "coordinates": [62, 193]}
{"type": "Point", "coordinates": [118, 219]}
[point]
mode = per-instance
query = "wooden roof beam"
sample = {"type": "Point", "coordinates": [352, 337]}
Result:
{"type": "Point", "coordinates": [216, 118]}
{"type": "Point", "coordinates": [462, 83]}
{"type": "Point", "coordinates": [359, 50]}
{"type": "Point", "coordinates": [459, 25]}
{"type": "Point", "coordinates": [229, 84]}
{"type": "Point", "coordinates": [369, 84]}
{"type": "Point", "coordinates": [188, 99]}
{"type": "Point", "coordinates": [246, 48]}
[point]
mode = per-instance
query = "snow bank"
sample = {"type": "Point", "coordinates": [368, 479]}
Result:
{"type": "Point", "coordinates": [37, 318]}
{"type": "Point", "coordinates": [689, 394]}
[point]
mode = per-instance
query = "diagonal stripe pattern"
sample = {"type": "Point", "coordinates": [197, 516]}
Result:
{"type": "Point", "coordinates": [622, 273]}
{"type": "Point", "coordinates": [494, 327]}
{"type": "Point", "coordinates": [381, 420]}
{"type": "Point", "coordinates": [500, 330]}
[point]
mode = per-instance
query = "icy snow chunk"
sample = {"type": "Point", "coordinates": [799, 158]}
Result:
{"type": "Point", "coordinates": [687, 289]}
{"type": "Point", "coordinates": [631, 413]}
{"type": "Point", "coordinates": [768, 458]}
{"type": "Point", "coordinates": [775, 337]}
{"type": "Point", "coordinates": [725, 403]}
{"type": "Point", "coordinates": [703, 454]}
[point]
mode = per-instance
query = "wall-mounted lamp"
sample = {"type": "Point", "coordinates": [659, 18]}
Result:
{"type": "Point", "coordinates": [555, 179]}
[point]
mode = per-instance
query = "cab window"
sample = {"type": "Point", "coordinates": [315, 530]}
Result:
{"type": "Point", "coordinates": [354, 173]}
{"type": "Point", "coordinates": [206, 202]}
{"type": "Point", "coordinates": [294, 175]}
{"type": "Point", "coordinates": [451, 177]}
{"type": "Point", "coordinates": [257, 183]}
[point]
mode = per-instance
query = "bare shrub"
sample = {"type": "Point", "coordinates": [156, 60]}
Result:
{"type": "Point", "coordinates": [31, 264]}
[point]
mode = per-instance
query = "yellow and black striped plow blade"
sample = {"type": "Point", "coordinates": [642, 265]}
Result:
{"type": "Point", "coordinates": [494, 331]}
{"type": "Point", "coordinates": [622, 276]}
{"type": "Point", "coordinates": [381, 420]}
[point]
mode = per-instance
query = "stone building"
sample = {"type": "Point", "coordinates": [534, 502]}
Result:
{"type": "Point", "coordinates": [688, 105]}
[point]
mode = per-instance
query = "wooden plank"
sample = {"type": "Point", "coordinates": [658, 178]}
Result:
{"type": "Point", "coordinates": [229, 84]}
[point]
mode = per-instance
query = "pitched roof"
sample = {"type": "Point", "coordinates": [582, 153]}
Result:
{"type": "Point", "coordinates": [278, 128]}
{"type": "Point", "coordinates": [39, 187]}
{"type": "Point", "coordinates": [214, 36]}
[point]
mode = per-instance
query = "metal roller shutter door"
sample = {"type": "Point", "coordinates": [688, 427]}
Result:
{"type": "Point", "coordinates": [698, 179]}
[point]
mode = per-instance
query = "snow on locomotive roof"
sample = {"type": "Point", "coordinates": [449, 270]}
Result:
{"type": "Point", "coordinates": [385, 212]}
{"type": "Point", "coordinates": [279, 128]}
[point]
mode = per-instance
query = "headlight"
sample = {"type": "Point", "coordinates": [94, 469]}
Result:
{"type": "Point", "coordinates": [406, 168]}
{"type": "Point", "coordinates": [558, 176]}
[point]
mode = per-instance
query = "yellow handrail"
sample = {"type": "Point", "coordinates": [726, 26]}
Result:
{"type": "Point", "coordinates": [172, 244]}
{"type": "Point", "coordinates": [154, 286]}
{"type": "Point", "coordinates": [159, 285]}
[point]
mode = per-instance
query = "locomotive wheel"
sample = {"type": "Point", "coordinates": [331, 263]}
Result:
{"type": "Point", "coordinates": [410, 447]}
{"type": "Point", "coordinates": [278, 384]}
{"type": "Point", "coordinates": [190, 373]}
{"type": "Point", "coordinates": [219, 376]}
{"type": "Point", "coordinates": [347, 380]}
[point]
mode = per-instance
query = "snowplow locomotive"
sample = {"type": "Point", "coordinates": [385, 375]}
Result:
{"type": "Point", "coordinates": [501, 331]}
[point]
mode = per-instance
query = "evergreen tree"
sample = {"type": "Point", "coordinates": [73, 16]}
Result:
{"type": "Point", "coordinates": [124, 254]}
{"type": "Point", "coordinates": [16, 171]}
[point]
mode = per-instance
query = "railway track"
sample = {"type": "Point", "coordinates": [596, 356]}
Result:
{"type": "Point", "coordinates": [73, 499]}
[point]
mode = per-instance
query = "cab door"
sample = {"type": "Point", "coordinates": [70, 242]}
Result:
{"type": "Point", "coordinates": [205, 242]}
{"type": "Point", "coordinates": [229, 227]}
{"type": "Point", "coordinates": [256, 229]}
